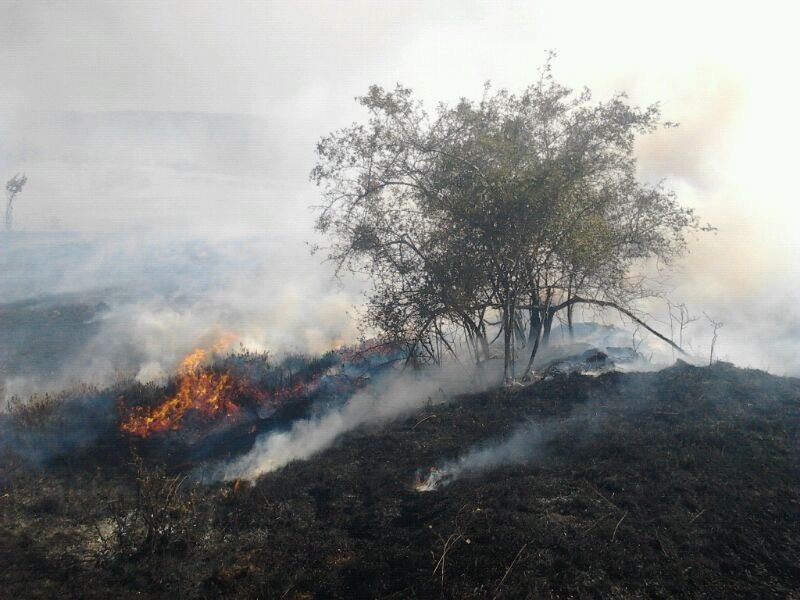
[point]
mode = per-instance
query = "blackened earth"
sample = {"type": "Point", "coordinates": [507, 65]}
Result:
{"type": "Point", "coordinates": [679, 484]}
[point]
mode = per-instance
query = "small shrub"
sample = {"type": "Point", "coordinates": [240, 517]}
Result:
{"type": "Point", "coordinates": [160, 516]}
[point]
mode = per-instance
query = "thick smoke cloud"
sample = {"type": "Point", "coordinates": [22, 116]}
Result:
{"type": "Point", "coordinates": [152, 299]}
{"type": "Point", "coordinates": [146, 122]}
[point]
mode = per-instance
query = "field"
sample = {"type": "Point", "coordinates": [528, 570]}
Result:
{"type": "Point", "coordinates": [679, 483]}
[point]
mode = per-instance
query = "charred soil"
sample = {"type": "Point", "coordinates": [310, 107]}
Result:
{"type": "Point", "coordinates": [680, 483]}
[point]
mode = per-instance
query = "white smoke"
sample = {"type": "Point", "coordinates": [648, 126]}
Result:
{"type": "Point", "coordinates": [521, 447]}
{"type": "Point", "coordinates": [152, 298]}
{"type": "Point", "coordinates": [393, 397]}
{"type": "Point", "coordinates": [528, 443]}
{"type": "Point", "coordinates": [379, 402]}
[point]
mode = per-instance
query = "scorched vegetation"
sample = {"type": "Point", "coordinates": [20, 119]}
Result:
{"type": "Point", "coordinates": [680, 483]}
{"type": "Point", "coordinates": [401, 468]}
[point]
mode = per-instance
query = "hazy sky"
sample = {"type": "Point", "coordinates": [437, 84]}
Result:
{"type": "Point", "coordinates": [726, 73]}
{"type": "Point", "coordinates": [240, 92]}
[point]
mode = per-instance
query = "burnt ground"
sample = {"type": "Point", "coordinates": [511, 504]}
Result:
{"type": "Point", "coordinates": [682, 483]}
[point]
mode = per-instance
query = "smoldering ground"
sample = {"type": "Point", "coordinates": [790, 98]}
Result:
{"type": "Point", "coordinates": [388, 397]}
{"type": "Point", "coordinates": [528, 443]}
{"type": "Point", "coordinates": [699, 493]}
{"type": "Point", "coordinates": [400, 392]}
{"type": "Point", "coordinates": [178, 146]}
{"type": "Point", "coordinates": [594, 419]}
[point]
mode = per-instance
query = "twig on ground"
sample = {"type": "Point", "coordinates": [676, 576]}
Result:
{"type": "Point", "coordinates": [422, 421]}
{"type": "Point", "coordinates": [508, 570]}
{"type": "Point", "coordinates": [447, 545]}
{"type": "Point", "coordinates": [289, 589]}
{"type": "Point", "coordinates": [694, 518]}
{"type": "Point", "coordinates": [661, 545]}
{"type": "Point", "coordinates": [595, 524]}
{"type": "Point", "coordinates": [613, 535]}
{"type": "Point", "coordinates": [610, 503]}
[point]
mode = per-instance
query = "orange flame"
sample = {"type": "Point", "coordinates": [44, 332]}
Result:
{"type": "Point", "coordinates": [209, 394]}
{"type": "Point", "coordinates": [206, 394]}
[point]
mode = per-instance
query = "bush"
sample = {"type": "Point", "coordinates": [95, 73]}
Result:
{"type": "Point", "coordinates": [160, 516]}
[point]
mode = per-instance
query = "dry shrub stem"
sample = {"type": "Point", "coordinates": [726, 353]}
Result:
{"type": "Point", "coordinates": [508, 570]}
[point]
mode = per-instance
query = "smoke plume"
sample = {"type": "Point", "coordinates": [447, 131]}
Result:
{"type": "Point", "coordinates": [528, 442]}
{"type": "Point", "coordinates": [381, 401]}
{"type": "Point", "coordinates": [99, 309]}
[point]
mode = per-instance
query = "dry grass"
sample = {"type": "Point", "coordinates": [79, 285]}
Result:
{"type": "Point", "coordinates": [162, 515]}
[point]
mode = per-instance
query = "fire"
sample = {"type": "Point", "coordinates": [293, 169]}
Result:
{"type": "Point", "coordinates": [208, 396]}
{"type": "Point", "coordinates": [432, 482]}
{"type": "Point", "coordinates": [205, 393]}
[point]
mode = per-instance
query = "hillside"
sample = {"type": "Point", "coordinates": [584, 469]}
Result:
{"type": "Point", "coordinates": [680, 483]}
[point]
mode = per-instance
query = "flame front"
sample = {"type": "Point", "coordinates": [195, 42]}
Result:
{"type": "Point", "coordinates": [208, 395]}
{"type": "Point", "coordinates": [205, 393]}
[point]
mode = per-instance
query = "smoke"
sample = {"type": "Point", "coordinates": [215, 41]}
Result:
{"type": "Point", "coordinates": [743, 274]}
{"type": "Point", "coordinates": [99, 309]}
{"type": "Point", "coordinates": [398, 394]}
{"type": "Point", "coordinates": [142, 120]}
{"type": "Point", "coordinates": [522, 446]}
{"type": "Point", "coordinates": [528, 443]}
{"type": "Point", "coordinates": [706, 108]}
{"type": "Point", "coordinates": [381, 401]}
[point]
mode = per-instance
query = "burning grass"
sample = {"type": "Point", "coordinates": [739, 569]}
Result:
{"type": "Point", "coordinates": [235, 388]}
{"type": "Point", "coordinates": [235, 396]}
{"type": "Point", "coordinates": [431, 480]}
{"type": "Point", "coordinates": [202, 392]}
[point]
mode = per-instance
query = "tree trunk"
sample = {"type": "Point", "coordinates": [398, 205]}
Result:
{"type": "Point", "coordinates": [477, 334]}
{"type": "Point", "coordinates": [537, 336]}
{"type": "Point", "coordinates": [536, 325]}
{"type": "Point", "coordinates": [484, 346]}
{"type": "Point", "coordinates": [508, 340]}
{"type": "Point", "coordinates": [548, 324]}
{"type": "Point", "coordinates": [506, 350]}
{"type": "Point", "coordinates": [569, 322]}
{"type": "Point", "coordinates": [519, 331]}
{"type": "Point", "coordinates": [569, 311]}
{"type": "Point", "coordinates": [534, 349]}
{"type": "Point", "coordinates": [9, 208]}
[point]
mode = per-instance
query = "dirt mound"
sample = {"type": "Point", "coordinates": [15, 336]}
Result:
{"type": "Point", "coordinates": [680, 483]}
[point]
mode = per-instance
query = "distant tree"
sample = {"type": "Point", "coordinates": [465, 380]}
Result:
{"type": "Point", "coordinates": [491, 217]}
{"type": "Point", "coordinates": [13, 187]}
{"type": "Point", "coordinates": [715, 327]}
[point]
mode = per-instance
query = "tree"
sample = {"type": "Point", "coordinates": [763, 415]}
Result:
{"type": "Point", "coordinates": [13, 187]}
{"type": "Point", "coordinates": [491, 217]}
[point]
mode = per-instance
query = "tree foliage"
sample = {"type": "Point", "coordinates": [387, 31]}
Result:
{"type": "Point", "coordinates": [13, 187]}
{"type": "Point", "coordinates": [494, 215]}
